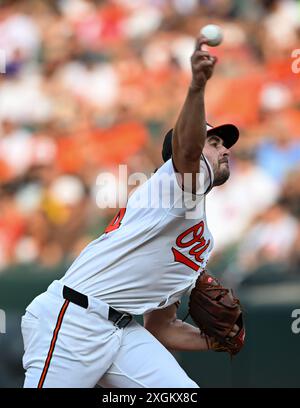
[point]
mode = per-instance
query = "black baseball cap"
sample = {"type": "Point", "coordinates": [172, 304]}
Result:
{"type": "Point", "coordinates": [228, 133]}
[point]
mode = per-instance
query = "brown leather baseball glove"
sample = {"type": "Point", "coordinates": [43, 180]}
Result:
{"type": "Point", "coordinates": [217, 312]}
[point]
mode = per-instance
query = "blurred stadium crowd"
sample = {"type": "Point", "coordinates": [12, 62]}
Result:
{"type": "Point", "coordinates": [91, 84]}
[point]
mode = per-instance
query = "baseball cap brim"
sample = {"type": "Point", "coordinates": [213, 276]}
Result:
{"type": "Point", "coordinates": [228, 133]}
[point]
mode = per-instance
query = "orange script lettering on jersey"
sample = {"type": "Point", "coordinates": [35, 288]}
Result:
{"type": "Point", "coordinates": [192, 237]}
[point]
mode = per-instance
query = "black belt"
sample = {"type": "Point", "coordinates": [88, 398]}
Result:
{"type": "Point", "coordinates": [119, 319]}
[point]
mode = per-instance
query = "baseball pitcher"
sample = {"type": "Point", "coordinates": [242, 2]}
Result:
{"type": "Point", "coordinates": [82, 332]}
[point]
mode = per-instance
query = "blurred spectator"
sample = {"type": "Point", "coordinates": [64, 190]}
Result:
{"type": "Point", "coordinates": [22, 100]}
{"type": "Point", "coordinates": [19, 34]}
{"type": "Point", "coordinates": [280, 152]}
{"type": "Point", "coordinates": [15, 148]}
{"type": "Point", "coordinates": [291, 192]}
{"type": "Point", "coordinates": [269, 241]}
{"type": "Point", "coordinates": [281, 25]}
{"type": "Point", "coordinates": [232, 207]}
{"type": "Point", "coordinates": [12, 227]}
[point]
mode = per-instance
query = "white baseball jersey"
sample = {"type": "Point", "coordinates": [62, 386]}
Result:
{"type": "Point", "coordinates": [153, 251]}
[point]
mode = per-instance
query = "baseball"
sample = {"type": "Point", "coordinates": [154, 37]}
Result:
{"type": "Point", "coordinates": [213, 33]}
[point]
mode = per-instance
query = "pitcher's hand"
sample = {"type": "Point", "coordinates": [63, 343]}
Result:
{"type": "Point", "coordinates": [202, 64]}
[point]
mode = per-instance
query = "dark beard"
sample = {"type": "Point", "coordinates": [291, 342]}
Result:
{"type": "Point", "coordinates": [221, 177]}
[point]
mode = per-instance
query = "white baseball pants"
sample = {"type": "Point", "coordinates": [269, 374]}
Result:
{"type": "Point", "coordinates": [71, 347]}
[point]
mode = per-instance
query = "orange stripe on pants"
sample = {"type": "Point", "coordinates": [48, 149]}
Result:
{"type": "Point", "coordinates": [53, 341]}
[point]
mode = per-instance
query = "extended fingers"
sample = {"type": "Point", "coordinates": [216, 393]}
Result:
{"type": "Point", "coordinates": [198, 65]}
{"type": "Point", "coordinates": [200, 41]}
{"type": "Point", "coordinates": [203, 55]}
